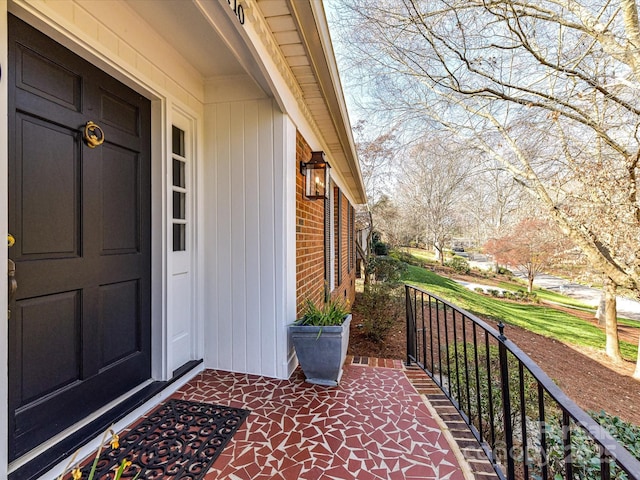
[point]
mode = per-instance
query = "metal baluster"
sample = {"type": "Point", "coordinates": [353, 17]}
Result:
{"type": "Point", "coordinates": [506, 403]}
{"type": "Point", "coordinates": [431, 334]}
{"type": "Point", "coordinates": [455, 351]}
{"type": "Point", "coordinates": [466, 366]}
{"type": "Point", "coordinates": [477, 368]}
{"type": "Point", "coordinates": [446, 339]}
{"type": "Point", "coordinates": [417, 325]}
{"type": "Point", "coordinates": [523, 421]}
{"type": "Point", "coordinates": [543, 433]}
{"type": "Point", "coordinates": [424, 332]}
{"type": "Point", "coordinates": [439, 342]}
{"type": "Point", "coordinates": [407, 293]}
{"type": "Point", "coordinates": [566, 441]}
{"type": "Point", "coordinates": [490, 392]}
{"type": "Point", "coordinates": [605, 464]}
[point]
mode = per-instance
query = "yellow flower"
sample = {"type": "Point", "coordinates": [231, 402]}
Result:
{"type": "Point", "coordinates": [115, 441]}
{"type": "Point", "coordinates": [127, 464]}
{"type": "Point", "coordinates": [76, 474]}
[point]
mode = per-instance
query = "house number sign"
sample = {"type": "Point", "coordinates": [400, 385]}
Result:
{"type": "Point", "coordinates": [237, 9]}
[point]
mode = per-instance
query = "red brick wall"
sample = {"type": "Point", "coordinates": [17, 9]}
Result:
{"type": "Point", "coordinates": [310, 282]}
{"type": "Point", "coordinates": [309, 237]}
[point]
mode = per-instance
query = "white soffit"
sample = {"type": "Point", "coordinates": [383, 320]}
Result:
{"type": "Point", "coordinates": [301, 32]}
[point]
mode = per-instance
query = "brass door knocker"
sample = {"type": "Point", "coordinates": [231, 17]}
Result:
{"type": "Point", "coordinates": [93, 135]}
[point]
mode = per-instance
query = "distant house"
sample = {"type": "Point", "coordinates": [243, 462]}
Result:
{"type": "Point", "coordinates": [155, 192]}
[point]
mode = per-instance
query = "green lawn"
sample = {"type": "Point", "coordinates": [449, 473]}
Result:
{"type": "Point", "coordinates": [536, 318]}
{"type": "Point", "coordinates": [424, 255]}
{"type": "Point", "coordinates": [554, 297]}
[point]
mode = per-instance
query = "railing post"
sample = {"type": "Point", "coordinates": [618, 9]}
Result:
{"type": "Point", "coordinates": [506, 402]}
{"type": "Point", "coordinates": [409, 326]}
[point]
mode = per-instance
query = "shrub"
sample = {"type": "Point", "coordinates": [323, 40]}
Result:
{"type": "Point", "coordinates": [584, 450]}
{"type": "Point", "coordinates": [406, 258]}
{"type": "Point", "coordinates": [380, 305]}
{"type": "Point", "coordinates": [386, 269]}
{"type": "Point", "coordinates": [585, 454]}
{"type": "Point", "coordinates": [478, 290]}
{"type": "Point", "coordinates": [377, 245]}
{"type": "Point", "coordinates": [505, 271]}
{"type": "Point", "coordinates": [380, 248]}
{"type": "Point", "coordinates": [459, 264]}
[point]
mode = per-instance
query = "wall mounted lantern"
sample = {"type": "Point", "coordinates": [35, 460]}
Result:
{"type": "Point", "coordinates": [316, 173]}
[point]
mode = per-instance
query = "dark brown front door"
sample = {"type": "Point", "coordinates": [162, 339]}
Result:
{"type": "Point", "coordinates": [80, 324]}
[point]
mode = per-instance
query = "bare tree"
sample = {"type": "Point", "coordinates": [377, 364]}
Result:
{"type": "Point", "coordinates": [492, 202]}
{"type": "Point", "coordinates": [376, 153]}
{"type": "Point", "coordinates": [376, 160]}
{"type": "Point", "coordinates": [429, 189]}
{"type": "Point", "coordinates": [549, 89]}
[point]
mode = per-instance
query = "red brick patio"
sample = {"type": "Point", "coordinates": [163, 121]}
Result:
{"type": "Point", "coordinates": [373, 426]}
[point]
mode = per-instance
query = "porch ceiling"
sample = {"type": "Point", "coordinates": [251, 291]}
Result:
{"type": "Point", "coordinates": [189, 32]}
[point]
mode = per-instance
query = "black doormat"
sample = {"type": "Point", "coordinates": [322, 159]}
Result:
{"type": "Point", "coordinates": [178, 440]}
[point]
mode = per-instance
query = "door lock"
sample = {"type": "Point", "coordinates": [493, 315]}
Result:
{"type": "Point", "coordinates": [11, 273]}
{"type": "Point", "coordinates": [13, 283]}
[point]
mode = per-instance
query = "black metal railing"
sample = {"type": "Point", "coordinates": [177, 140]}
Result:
{"type": "Point", "coordinates": [528, 428]}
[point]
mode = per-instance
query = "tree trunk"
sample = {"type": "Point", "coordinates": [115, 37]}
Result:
{"type": "Point", "coordinates": [636, 374]}
{"type": "Point", "coordinates": [530, 277]}
{"type": "Point", "coordinates": [611, 316]}
{"type": "Point", "coordinates": [439, 252]}
{"type": "Point", "coordinates": [600, 312]}
{"type": "Point", "coordinates": [367, 260]}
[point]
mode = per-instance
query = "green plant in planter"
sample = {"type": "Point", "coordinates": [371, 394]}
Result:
{"type": "Point", "coordinates": [321, 338]}
{"type": "Point", "coordinates": [330, 314]}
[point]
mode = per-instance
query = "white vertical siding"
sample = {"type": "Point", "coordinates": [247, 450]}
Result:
{"type": "Point", "coordinates": [245, 204]}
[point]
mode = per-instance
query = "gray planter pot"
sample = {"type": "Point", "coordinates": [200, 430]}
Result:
{"type": "Point", "coordinates": [321, 351]}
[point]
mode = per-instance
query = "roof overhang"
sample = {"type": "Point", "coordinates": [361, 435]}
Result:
{"type": "Point", "coordinates": [285, 48]}
{"type": "Point", "coordinates": [311, 60]}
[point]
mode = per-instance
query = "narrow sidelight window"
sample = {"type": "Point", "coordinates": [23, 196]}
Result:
{"type": "Point", "coordinates": [179, 187]}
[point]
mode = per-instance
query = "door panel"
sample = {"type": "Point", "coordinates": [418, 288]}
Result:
{"type": "Point", "coordinates": [49, 194]}
{"type": "Point", "coordinates": [38, 75]}
{"type": "Point", "coordinates": [80, 325]}
{"type": "Point", "coordinates": [53, 361]}
{"type": "Point", "coordinates": [120, 227]}
{"type": "Point", "coordinates": [118, 303]}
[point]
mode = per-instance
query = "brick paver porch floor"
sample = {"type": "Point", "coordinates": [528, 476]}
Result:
{"type": "Point", "coordinates": [373, 426]}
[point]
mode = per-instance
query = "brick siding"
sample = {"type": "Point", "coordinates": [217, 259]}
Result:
{"type": "Point", "coordinates": [310, 282]}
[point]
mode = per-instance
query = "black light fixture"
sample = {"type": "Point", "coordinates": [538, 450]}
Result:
{"type": "Point", "coordinates": [317, 174]}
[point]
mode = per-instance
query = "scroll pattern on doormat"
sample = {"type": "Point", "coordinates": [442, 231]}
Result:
{"type": "Point", "coordinates": [178, 440]}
